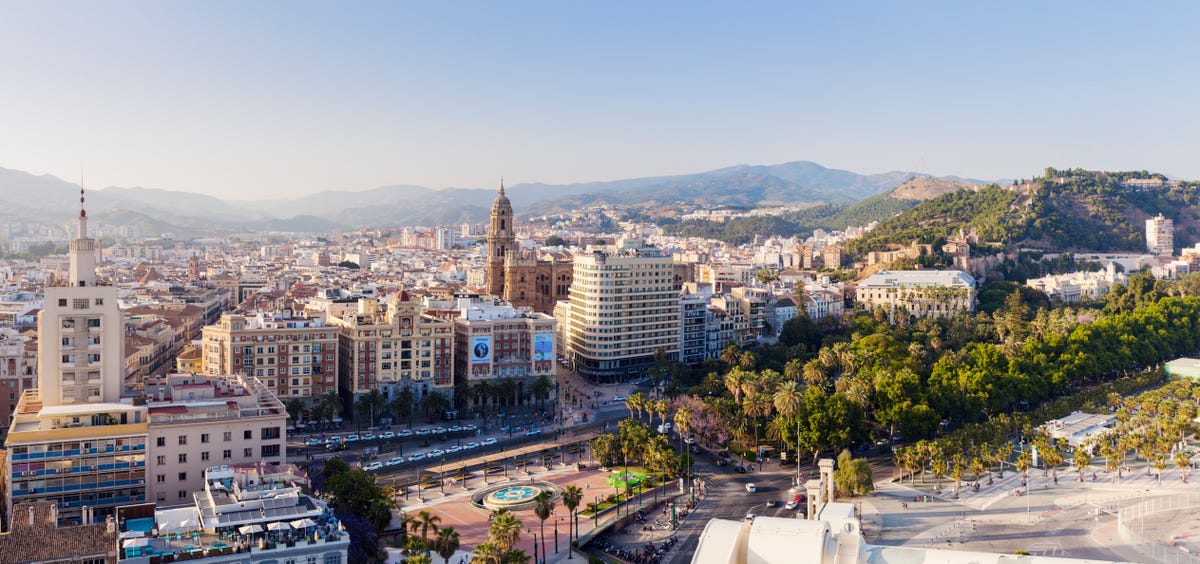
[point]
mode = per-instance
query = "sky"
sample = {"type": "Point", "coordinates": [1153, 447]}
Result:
{"type": "Point", "coordinates": [247, 100]}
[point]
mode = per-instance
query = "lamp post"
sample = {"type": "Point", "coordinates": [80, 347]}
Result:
{"type": "Point", "coordinates": [596, 513]}
{"type": "Point", "coordinates": [535, 550]}
{"type": "Point", "coordinates": [557, 518]}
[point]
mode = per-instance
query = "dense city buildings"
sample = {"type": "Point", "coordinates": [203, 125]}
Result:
{"type": "Point", "coordinates": [624, 310]}
{"type": "Point", "coordinates": [296, 357]}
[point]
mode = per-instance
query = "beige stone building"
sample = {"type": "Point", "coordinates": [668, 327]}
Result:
{"type": "Point", "coordinates": [495, 342]}
{"type": "Point", "coordinates": [524, 278]}
{"type": "Point", "coordinates": [923, 293]}
{"type": "Point", "coordinates": [295, 357]}
{"type": "Point", "coordinates": [391, 349]}
{"type": "Point", "coordinates": [198, 421]}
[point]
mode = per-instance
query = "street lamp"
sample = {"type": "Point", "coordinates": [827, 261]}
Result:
{"type": "Point", "coordinates": [557, 519]}
{"type": "Point", "coordinates": [535, 550]}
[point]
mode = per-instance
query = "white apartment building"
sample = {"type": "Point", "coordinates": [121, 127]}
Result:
{"type": "Point", "coordinates": [74, 439]}
{"type": "Point", "coordinates": [1160, 235]}
{"type": "Point", "coordinates": [1076, 286]}
{"type": "Point", "coordinates": [199, 421]}
{"type": "Point", "coordinates": [623, 309]}
{"type": "Point", "coordinates": [923, 293]}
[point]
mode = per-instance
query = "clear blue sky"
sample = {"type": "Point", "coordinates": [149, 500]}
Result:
{"type": "Point", "coordinates": [261, 99]}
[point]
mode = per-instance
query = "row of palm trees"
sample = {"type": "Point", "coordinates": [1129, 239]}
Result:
{"type": "Point", "coordinates": [445, 541]}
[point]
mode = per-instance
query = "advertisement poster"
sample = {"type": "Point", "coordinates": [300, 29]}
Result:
{"type": "Point", "coordinates": [543, 346]}
{"type": "Point", "coordinates": [481, 349]}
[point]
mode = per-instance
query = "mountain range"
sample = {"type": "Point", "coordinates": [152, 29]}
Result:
{"type": "Point", "coordinates": [157, 210]}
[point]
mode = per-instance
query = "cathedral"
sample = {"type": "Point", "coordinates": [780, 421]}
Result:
{"type": "Point", "coordinates": [524, 278]}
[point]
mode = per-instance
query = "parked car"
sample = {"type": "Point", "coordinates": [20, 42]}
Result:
{"type": "Point", "coordinates": [437, 452]}
{"type": "Point", "coordinates": [387, 435]}
{"type": "Point", "coordinates": [455, 429]}
{"type": "Point", "coordinates": [368, 437]}
{"type": "Point", "coordinates": [422, 431]}
{"type": "Point", "coordinates": [618, 398]}
{"type": "Point", "coordinates": [488, 441]}
{"type": "Point", "coordinates": [751, 487]}
{"type": "Point", "coordinates": [405, 433]}
{"type": "Point", "coordinates": [453, 449]}
{"type": "Point", "coordinates": [416, 457]}
{"type": "Point", "coordinates": [394, 461]}
{"type": "Point", "coordinates": [439, 430]}
{"type": "Point", "coordinates": [314, 442]}
{"type": "Point", "coordinates": [351, 438]}
{"type": "Point", "coordinates": [772, 503]}
{"type": "Point", "coordinates": [533, 432]}
{"type": "Point", "coordinates": [469, 427]}
{"type": "Point", "coordinates": [373, 466]}
{"type": "Point", "coordinates": [471, 445]}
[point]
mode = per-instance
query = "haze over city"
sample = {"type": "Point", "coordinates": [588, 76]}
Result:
{"type": "Point", "coordinates": [277, 99]}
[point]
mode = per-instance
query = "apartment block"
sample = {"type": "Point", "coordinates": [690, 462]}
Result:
{"type": "Point", "coordinates": [295, 357]}
{"type": "Point", "coordinates": [197, 421]}
{"type": "Point", "coordinates": [495, 342]}
{"type": "Point", "coordinates": [923, 293]}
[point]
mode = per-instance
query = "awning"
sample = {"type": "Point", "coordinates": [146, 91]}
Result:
{"type": "Point", "coordinates": [250, 529]}
{"type": "Point", "coordinates": [279, 526]}
{"type": "Point", "coordinates": [142, 541]}
{"type": "Point", "coordinates": [303, 523]}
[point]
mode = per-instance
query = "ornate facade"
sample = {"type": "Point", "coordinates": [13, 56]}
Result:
{"type": "Point", "coordinates": [523, 278]}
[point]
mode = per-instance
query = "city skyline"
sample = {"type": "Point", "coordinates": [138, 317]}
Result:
{"type": "Point", "coordinates": [273, 100]}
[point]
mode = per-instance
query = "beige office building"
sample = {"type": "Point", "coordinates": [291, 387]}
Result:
{"type": "Point", "coordinates": [624, 307]}
{"type": "Point", "coordinates": [74, 440]}
{"type": "Point", "coordinates": [198, 421]}
{"type": "Point", "coordinates": [295, 357]}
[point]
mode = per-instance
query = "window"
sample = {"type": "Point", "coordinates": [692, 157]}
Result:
{"type": "Point", "coordinates": [162, 478]}
{"type": "Point", "coordinates": [183, 476]}
{"type": "Point", "coordinates": [162, 459]}
{"type": "Point", "coordinates": [227, 454]}
{"type": "Point", "coordinates": [333, 559]}
{"type": "Point", "coordinates": [182, 440]}
{"type": "Point", "coordinates": [204, 438]}
{"type": "Point", "coordinates": [99, 301]}
{"type": "Point", "coordinates": [62, 302]}
{"type": "Point", "coordinates": [182, 494]}
{"type": "Point", "coordinates": [204, 455]}
{"type": "Point", "coordinates": [247, 434]}
{"type": "Point", "coordinates": [160, 441]}
{"type": "Point", "coordinates": [228, 436]}
{"type": "Point", "coordinates": [270, 450]}
{"type": "Point", "coordinates": [269, 433]}
{"type": "Point", "coordinates": [248, 452]}
{"type": "Point", "coordinates": [94, 323]}
{"type": "Point", "coordinates": [183, 458]}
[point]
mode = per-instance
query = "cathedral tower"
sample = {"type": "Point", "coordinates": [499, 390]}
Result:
{"type": "Point", "coordinates": [500, 240]}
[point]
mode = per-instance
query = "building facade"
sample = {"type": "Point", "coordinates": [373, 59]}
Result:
{"type": "Point", "coordinates": [923, 293]}
{"type": "Point", "coordinates": [197, 421]}
{"type": "Point", "coordinates": [394, 349]}
{"type": "Point", "coordinates": [497, 343]}
{"type": "Point", "coordinates": [74, 439]}
{"type": "Point", "coordinates": [1160, 235]}
{"type": "Point", "coordinates": [296, 357]}
{"type": "Point", "coordinates": [623, 310]}
{"type": "Point", "coordinates": [524, 278]}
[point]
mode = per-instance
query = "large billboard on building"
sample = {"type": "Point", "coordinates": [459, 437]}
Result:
{"type": "Point", "coordinates": [481, 349]}
{"type": "Point", "coordinates": [543, 346]}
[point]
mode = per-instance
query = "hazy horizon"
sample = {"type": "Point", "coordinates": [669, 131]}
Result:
{"type": "Point", "coordinates": [270, 100]}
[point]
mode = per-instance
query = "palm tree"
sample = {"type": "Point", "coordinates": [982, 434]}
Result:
{"type": "Point", "coordinates": [420, 559]}
{"type": "Point", "coordinates": [815, 373]}
{"type": "Point", "coordinates": [938, 466]}
{"type": "Point", "coordinates": [330, 405]}
{"type": "Point", "coordinates": [483, 391]}
{"type": "Point", "coordinates": [543, 506]}
{"type": "Point", "coordinates": [571, 497]}
{"type": "Point", "coordinates": [1081, 460]}
{"type": "Point", "coordinates": [369, 405]}
{"type": "Point", "coordinates": [540, 388]}
{"type": "Point", "coordinates": [447, 543]}
{"type": "Point", "coordinates": [1160, 463]}
{"type": "Point", "coordinates": [1183, 461]}
{"type": "Point", "coordinates": [747, 360]}
{"type": "Point", "coordinates": [404, 403]}
{"type": "Point", "coordinates": [424, 521]}
{"type": "Point", "coordinates": [788, 398]}
{"type": "Point", "coordinates": [1004, 453]}
{"type": "Point", "coordinates": [1053, 456]}
{"type": "Point", "coordinates": [730, 355]}
{"type": "Point", "coordinates": [1024, 461]}
{"type": "Point", "coordinates": [505, 530]}
{"type": "Point", "coordinates": [733, 382]}
{"type": "Point", "coordinates": [487, 553]}
{"type": "Point", "coordinates": [956, 472]}
{"type": "Point", "coordinates": [793, 370]}
{"type": "Point", "coordinates": [295, 409]}
{"type": "Point", "coordinates": [977, 467]}
{"type": "Point", "coordinates": [379, 514]}
{"type": "Point", "coordinates": [752, 383]}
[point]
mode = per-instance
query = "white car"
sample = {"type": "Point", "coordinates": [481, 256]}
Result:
{"type": "Point", "coordinates": [387, 435]}
{"type": "Point", "coordinates": [368, 437]}
{"type": "Point", "coordinates": [454, 449]}
{"type": "Point", "coordinates": [422, 432]}
{"type": "Point", "coordinates": [455, 429]}
{"type": "Point", "coordinates": [373, 466]}
{"type": "Point", "coordinates": [351, 438]}
{"type": "Point", "coordinates": [489, 441]}
{"type": "Point", "coordinates": [470, 445]}
{"type": "Point", "coordinates": [416, 457]}
{"type": "Point", "coordinates": [314, 442]}
{"type": "Point", "coordinates": [469, 427]}
{"type": "Point", "coordinates": [750, 517]}
{"type": "Point", "coordinates": [618, 398]}
{"type": "Point", "coordinates": [405, 433]}
{"type": "Point", "coordinates": [751, 487]}
{"type": "Point", "coordinates": [436, 453]}
{"type": "Point", "coordinates": [394, 461]}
